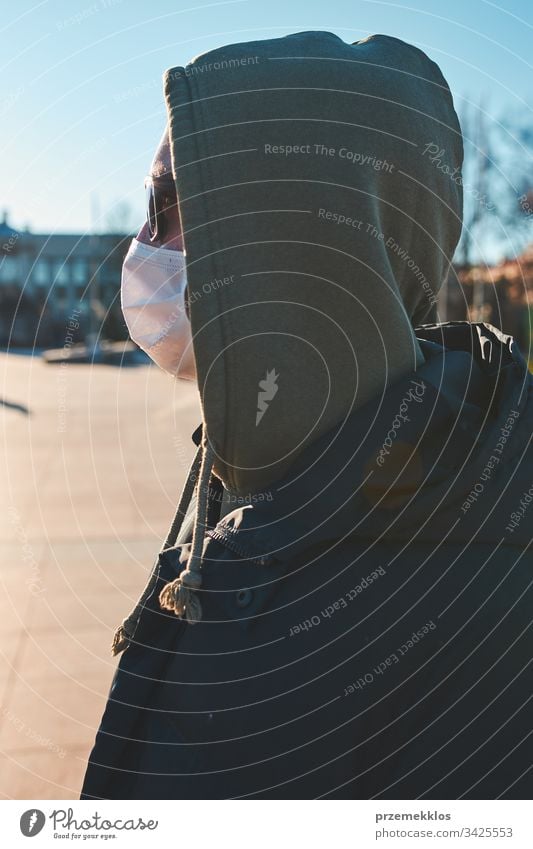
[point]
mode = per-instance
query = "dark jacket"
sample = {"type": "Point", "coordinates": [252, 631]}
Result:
{"type": "Point", "coordinates": [366, 627]}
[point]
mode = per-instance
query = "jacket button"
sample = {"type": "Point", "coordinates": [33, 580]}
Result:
{"type": "Point", "coordinates": [243, 598]}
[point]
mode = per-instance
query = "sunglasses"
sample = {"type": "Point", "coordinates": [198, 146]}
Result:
{"type": "Point", "coordinates": [161, 198]}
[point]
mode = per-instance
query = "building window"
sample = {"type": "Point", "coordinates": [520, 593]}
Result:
{"type": "Point", "coordinates": [9, 269]}
{"type": "Point", "coordinates": [80, 271]}
{"type": "Point", "coordinates": [60, 293]}
{"type": "Point", "coordinates": [60, 271]}
{"type": "Point", "coordinates": [41, 272]}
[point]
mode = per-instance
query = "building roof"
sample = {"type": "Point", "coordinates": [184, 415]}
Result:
{"type": "Point", "coordinates": [8, 236]}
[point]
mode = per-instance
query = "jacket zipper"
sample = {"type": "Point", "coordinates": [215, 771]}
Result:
{"type": "Point", "coordinates": [236, 549]}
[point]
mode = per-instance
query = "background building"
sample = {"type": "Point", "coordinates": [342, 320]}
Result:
{"type": "Point", "coordinates": [44, 278]}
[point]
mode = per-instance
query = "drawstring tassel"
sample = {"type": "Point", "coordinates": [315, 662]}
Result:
{"type": "Point", "coordinates": [120, 640]}
{"type": "Point", "coordinates": [179, 595]}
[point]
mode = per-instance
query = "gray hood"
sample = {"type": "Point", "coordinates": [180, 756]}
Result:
{"type": "Point", "coordinates": [317, 232]}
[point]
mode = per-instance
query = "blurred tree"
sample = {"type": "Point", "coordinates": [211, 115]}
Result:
{"type": "Point", "coordinates": [497, 184]}
{"type": "Point", "coordinates": [120, 218]}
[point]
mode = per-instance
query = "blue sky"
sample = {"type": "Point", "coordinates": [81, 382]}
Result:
{"type": "Point", "coordinates": [81, 105]}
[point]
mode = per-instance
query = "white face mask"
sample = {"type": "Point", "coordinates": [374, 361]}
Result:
{"type": "Point", "coordinates": [153, 304]}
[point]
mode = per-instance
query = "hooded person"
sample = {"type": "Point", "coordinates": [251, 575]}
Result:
{"type": "Point", "coordinates": [341, 606]}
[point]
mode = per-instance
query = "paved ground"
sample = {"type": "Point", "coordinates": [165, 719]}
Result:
{"type": "Point", "coordinates": [94, 460]}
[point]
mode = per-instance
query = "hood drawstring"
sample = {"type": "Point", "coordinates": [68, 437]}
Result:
{"type": "Point", "coordinates": [124, 633]}
{"type": "Point", "coordinates": [179, 595]}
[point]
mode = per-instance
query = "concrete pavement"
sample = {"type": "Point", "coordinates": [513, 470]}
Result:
{"type": "Point", "coordinates": [94, 459]}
